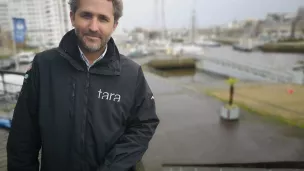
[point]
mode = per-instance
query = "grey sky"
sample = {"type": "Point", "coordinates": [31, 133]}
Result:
{"type": "Point", "coordinates": [209, 12]}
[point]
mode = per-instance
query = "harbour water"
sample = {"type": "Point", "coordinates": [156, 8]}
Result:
{"type": "Point", "coordinates": [274, 60]}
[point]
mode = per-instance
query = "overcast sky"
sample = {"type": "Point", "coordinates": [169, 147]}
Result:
{"type": "Point", "coordinates": [141, 13]}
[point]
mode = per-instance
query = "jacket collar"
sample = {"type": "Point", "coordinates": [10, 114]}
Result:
{"type": "Point", "coordinates": [108, 65]}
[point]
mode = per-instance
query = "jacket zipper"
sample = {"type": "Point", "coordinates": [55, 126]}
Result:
{"type": "Point", "coordinates": [87, 85]}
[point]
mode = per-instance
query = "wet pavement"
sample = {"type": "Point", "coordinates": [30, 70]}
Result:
{"type": "Point", "coordinates": [3, 140]}
{"type": "Point", "coordinates": [190, 131]}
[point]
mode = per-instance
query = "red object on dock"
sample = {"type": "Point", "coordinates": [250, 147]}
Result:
{"type": "Point", "coordinates": [290, 91]}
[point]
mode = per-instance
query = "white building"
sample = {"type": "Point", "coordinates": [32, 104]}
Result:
{"type": "Point", "coordinates": [56, 20]}
{"type": "Point", "coordinates": [47, 20]}
{"type": "Point", "coordinates": [57, 17]}
{"type": "Point", "coordinates": [4, 17]}
{"type": "Point", "coordinates": [31, 11]}
{"type": "Point", "coordinates": [52, 22]}
{"type": "Point", "coordinates": [66, 15]}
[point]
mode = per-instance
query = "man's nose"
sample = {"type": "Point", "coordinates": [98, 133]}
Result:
{"type": "Point", "coordinates": [93, 25]}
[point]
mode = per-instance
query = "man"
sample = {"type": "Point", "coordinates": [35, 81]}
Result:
{"type": "Point", "coordinates": [86, 106]}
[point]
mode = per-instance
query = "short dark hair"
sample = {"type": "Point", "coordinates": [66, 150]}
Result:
{"type": "Point", "coordinates": [117, 6]}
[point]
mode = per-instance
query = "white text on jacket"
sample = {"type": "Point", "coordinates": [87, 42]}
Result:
{"type": "Point", "coordinates": [108, 96]}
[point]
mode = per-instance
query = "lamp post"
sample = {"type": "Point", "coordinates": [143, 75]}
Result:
{"type": "Point", "coordinates": [231, 83]}
{"type": "Point", "coordinates": [230, 111]}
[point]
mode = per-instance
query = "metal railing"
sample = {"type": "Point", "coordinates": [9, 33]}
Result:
{"type": "Point", "coordinates": [10, 85]}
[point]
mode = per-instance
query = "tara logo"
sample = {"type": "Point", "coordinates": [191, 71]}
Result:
{"type": "Point", "coordinates": [108, 96]}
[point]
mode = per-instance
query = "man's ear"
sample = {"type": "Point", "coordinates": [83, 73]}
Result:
{"type": "Point", "coordinates": [72, 18]}
{"type": "Point", "coordinates": [115, 25]}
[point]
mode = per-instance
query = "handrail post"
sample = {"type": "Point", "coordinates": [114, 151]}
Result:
{"type": "Point", "coordinates": [3, 83]}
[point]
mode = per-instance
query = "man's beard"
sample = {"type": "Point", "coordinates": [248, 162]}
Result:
{"type": "Point", "coordinates": [91, 48]}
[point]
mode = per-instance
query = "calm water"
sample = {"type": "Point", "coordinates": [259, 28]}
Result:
{"type": "Point", "coordinates": [277, 60]}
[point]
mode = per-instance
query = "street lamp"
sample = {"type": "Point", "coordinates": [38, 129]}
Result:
{"type": "Point", "coordinates": [230, 111]}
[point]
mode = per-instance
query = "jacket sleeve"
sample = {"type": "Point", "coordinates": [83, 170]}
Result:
{"type": "Point", "coordinates": [24, 142]}
{"type": "Point", "coordinates": [140, 128]}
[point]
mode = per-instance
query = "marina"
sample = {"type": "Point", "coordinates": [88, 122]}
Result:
{"type": "Point", "coordinates": [228, 89]}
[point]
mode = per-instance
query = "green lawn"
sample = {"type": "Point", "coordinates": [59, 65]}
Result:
{"type": "Point", "coordinates": [271, 100]}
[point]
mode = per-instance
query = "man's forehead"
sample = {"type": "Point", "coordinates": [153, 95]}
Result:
{"type": "Point", "coordinates": [102, 4]}
{"type": "Point", "coordinates": [98, 7]}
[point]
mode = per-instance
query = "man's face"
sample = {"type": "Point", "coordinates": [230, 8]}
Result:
{"type": "Point", "coordinates": [94, 23]}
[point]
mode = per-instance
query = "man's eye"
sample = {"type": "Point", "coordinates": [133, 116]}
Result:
{"type": "Point", "coordinates": [103, 19]}
{"type": "Point", "coordinates": [86, 15]}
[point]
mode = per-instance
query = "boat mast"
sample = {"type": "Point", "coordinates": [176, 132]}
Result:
{"type": "Point", "coordinates": [163, 19]}
{"type": "Point", "coordinates": [193, 23]}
